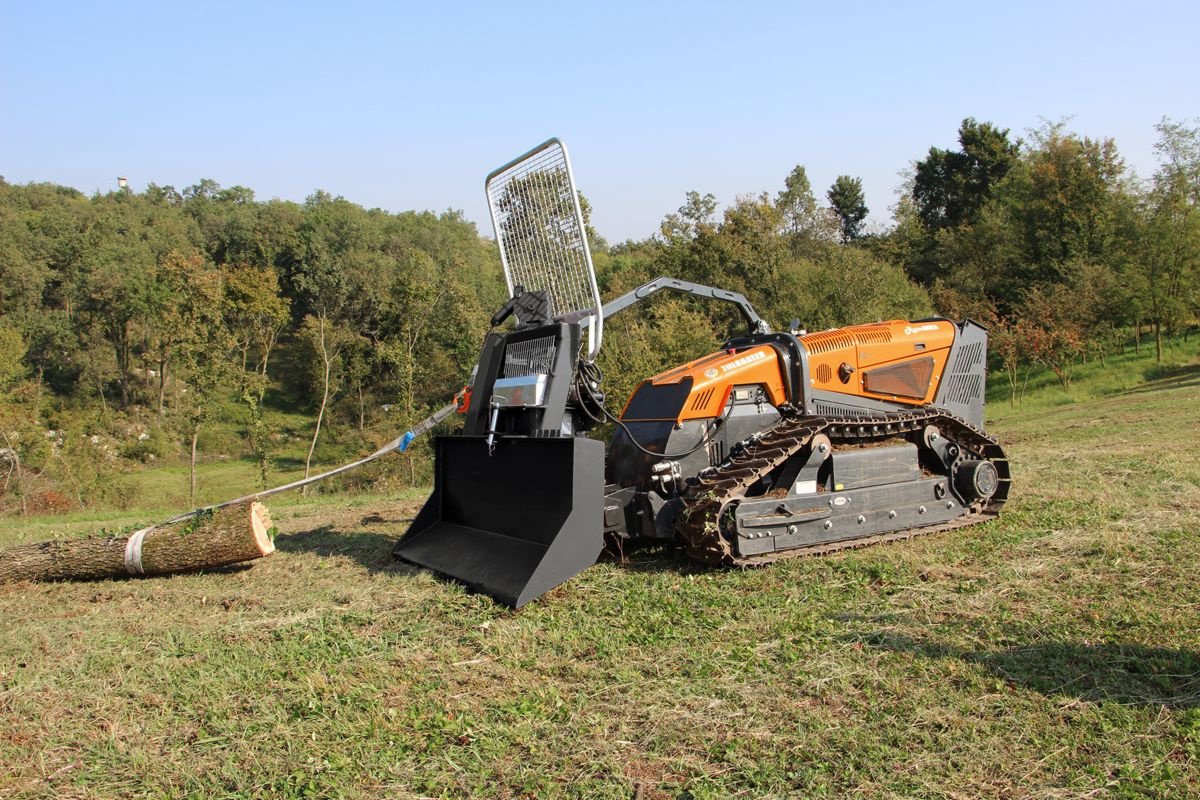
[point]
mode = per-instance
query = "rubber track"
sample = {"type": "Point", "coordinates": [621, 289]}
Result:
{"type": "Point", "coordinates": [718, 490]}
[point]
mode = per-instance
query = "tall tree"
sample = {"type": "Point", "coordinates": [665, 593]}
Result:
{"type": "Point", "coordinates": [951, 186]}
{"type": "Point", "coordinates": [1168, 267]}
{"type": "Point", "coordinates": [692, 218]}
{"type": "Point", "coordinates": [204, 353]}
{"type": "Point", "coordinates": [806, 225]}
{"type": "Point", "coordinates": [849, 204]}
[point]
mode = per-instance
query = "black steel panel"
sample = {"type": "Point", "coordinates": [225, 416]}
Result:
{"type": "Point", "coordinates": [875, 466]}
{"type": "Point", "coordinates": [514, 523]}
{"type": "Point", "coordinates": [661, 401]}
{"type": "Point", "coordinates": [964, 383]}
{"type": "Point", "coordinates": [852, 514]}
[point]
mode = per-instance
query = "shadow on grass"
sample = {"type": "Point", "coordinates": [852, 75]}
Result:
{"type": "Point", "coordinates": [1160, 378]}
{"type": "Point", "coordinates": [369, 541]}
{"type": "Point", "coordinates": [1130, 674]}
{"type": "Point", "coordinates": [653, 557]}
{"type": "Point", "coordinates": [371, 549]}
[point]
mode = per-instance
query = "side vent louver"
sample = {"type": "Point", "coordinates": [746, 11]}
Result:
{"type": "Point", "coordinates": [964, 388]}
{"type": "Point", "coordinates": [824, 373]}
{"type": "Point", "coordinates": [969, 357]}
{"type": "Point", "coordinates": [702, 399]}
{"type": "Point", "coordinates": [963, 383]}
{"type": "Point", "coordinates": [824, 342]}
{"type": "Point", "coordinates": [880, 335]}
{"type": "Point", "coordinates": [833, 410]}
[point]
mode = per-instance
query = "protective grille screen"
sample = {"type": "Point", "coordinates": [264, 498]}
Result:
{"type": "Point", "coordinates": [540, 229]}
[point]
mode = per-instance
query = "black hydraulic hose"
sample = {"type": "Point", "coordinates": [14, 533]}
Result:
{"type": "Point", "coordinates": [589, 370]}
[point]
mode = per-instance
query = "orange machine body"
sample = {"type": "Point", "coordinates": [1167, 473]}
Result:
{"type": "Point", "coordinates": [895, 362]}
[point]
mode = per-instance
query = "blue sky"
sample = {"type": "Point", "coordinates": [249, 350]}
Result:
{"type": "Point", "coordinates": [407, 106]}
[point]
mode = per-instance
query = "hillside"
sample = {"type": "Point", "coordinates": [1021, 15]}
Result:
{"type": "Point", "coordinates": [1052, 653]}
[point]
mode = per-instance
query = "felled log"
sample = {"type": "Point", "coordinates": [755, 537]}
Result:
{"type": "Point", "coordinates": [215, 538]}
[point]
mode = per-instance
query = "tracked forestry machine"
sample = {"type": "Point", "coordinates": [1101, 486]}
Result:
{"type": "Point", "coordinates": [777, 444]}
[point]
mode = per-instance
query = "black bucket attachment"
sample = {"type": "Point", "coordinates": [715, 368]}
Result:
{"type": "Point", "coordinates": [513, 524]}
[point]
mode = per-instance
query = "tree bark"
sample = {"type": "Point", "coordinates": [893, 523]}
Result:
{"type": "Point", "coordinates": [162, 383]}
{"type": "Point", "coordinates": [327, 361]}
{"type": "Point", "coordinates": [192, 469]}
{"type": "Point", "coordinates": [212, 539]}
{"type": "Point", "coordinates": [16, 460]}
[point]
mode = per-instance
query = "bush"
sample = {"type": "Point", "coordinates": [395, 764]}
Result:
{"type": "Point", "coordinates": [151, 445]}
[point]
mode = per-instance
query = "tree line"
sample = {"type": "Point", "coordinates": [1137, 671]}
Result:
{"type": "Point", "coordinates": [130, 322]}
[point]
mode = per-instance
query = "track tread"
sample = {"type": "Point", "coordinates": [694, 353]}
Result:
{"type": "Point", "coordinates": [706, 498]}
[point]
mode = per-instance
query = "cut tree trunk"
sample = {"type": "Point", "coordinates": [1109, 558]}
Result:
{"type": "Point", "coordinates": [211, 539]}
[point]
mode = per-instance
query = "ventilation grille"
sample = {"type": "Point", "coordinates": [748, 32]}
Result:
{"type": "Point", "coordinates": [877, 335]}
{"type": "Point", "coordinates": [824, 373]}
{"type": "Point", "coordinates": [824, 342]}
{"type": "Point", "coordinates": [716, 452]}
{"type": "Point", "coordinates": [969, 357]}
{"type": "Point", "coordinates": [834, 410]}
{"type": "Point", "coordinates": [964, 388]}
{"type": "Point", "coordinates": [702, 399]}
{"type": "Point", "coordinates": [530, 357]}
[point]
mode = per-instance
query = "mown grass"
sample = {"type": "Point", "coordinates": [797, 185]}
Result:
{"type": "Point", "coordinates": [1052, 653]}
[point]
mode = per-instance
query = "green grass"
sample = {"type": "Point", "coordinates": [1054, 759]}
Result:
{"type": "Point", "coordinates": [1121, 372]}
{"type": "Point", "coordinates": [1053, 653]}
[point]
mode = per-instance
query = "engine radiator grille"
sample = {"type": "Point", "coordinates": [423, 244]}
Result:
{"type": "Point", "coordinates": [963, 385]}
{"type": "Point", "coordinates": [969, 357]}
{"type": "Point", "coordinates": [964, 388]}
{"type": "Point", "coordinates": [530, 357]}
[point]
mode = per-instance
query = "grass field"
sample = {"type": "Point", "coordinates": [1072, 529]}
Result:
{"type": "Point", "coordinates": [1052, 653]}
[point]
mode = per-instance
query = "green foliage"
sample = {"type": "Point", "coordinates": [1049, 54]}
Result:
{"type": "Point", "coordinates": [170, 315]}
{"type": "Point", "coordinates": [12, 354]}
{"type": "Point", "coordinates": [848, 203]}
{"type": "Point", "coordinates": [149, 446]}
{"type": "Point", "coordinates": [158, 309]}
{"type": "Point", "coordinates": [950, 187]}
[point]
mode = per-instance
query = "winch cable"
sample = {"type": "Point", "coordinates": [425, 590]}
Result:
{"type": "Point", "coordinates": [399, 444]}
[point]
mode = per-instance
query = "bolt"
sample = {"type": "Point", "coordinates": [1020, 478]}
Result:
{"type": "Point", "coordinates": [861, 519]}
{"type": "Point", "coordinates": [792, 529]}
{"type": "Point", "coordinates": [822, 447]}
{"type": "Point", "coordinates": [933, 437]}
{"type": "Point", "coordinates": [828, 524]}
{"type": "Point", "coordinates": [921, 510]}
{"type": "Point", "coordinates": [949, 504]}
{"type": "Point", "coordinates": [891, 515]}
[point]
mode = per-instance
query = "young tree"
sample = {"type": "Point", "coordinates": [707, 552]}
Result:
{"type": "Point", "coordinates": [849, 204]}
{"type": "Point", "coordinates": [1052, 337]}
{"type": "Point", "coordinates": [204, 356]}
{"type": "Point", "coordinates": [255, 314]}
{"type": "Point", "coordinates": [692, 218]}
{"type": "Point", "coordinates": [1169, 263]}
{"type": "Point", "coordinates": [12, 370]}
{"type": "Point", "coordinates": [326, 341]}
{"type": "Point", "coordinates": [807, 226]}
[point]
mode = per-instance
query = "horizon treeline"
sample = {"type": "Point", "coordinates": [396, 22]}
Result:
{"type": "Point", "coordinates": [130, 323]}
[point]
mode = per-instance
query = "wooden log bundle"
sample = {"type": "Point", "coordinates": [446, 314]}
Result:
{"type": "Point", "coordinates": [217, 538]}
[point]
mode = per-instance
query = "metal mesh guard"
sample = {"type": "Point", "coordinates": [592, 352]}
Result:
{"type": "Point", "coordinates": [539, 226]}
{"type": "Point", "coordinates": [532, 357]}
